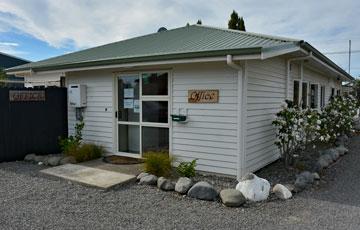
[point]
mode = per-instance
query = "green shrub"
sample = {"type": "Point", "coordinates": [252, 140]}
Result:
{"type": "Point", "coordinates": [71, 143]}
{"type": "Point", "coordinates": [86, 152]}
{"type": "Point", "coordinates": [158, 163]}
{"type": "Point", "coordinates": [186, 169]}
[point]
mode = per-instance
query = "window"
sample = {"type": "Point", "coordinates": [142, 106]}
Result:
{"type": "Point", "coordinates": [332, 92]}
{"type": "Point", "coordinates": [314, 90]}
{"type": "Point", "coordinates": [322, 97]}
{"type": "Point", "coordinates": [304, 98]}
{"type": "Point", "coordinates": [296, 93]}
{"type": "Point", "coordinates": [338, 92]}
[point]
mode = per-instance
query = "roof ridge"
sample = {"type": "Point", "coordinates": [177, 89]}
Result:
{"type": "Point", "coordinates": [273, 37]}
{"type": "Point", "coordinates": [111, 43]}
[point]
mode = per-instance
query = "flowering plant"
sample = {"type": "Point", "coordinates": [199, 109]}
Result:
{"type": "Point", "coordinates": [296, 127]}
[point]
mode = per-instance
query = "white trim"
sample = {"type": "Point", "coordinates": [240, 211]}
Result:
{"type": "Point", "coordinates": [142, 98]}
{"type": "Point", "coordinates": [270, 54]}
{"type": "Point", "coordinates": [243, 127]}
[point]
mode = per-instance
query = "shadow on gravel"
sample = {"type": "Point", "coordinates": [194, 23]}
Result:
{"type": "Point", "coordinates": [340, 183]}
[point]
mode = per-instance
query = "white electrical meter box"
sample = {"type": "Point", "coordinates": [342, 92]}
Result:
{"type": "Point", "coordinates": [77, 95]}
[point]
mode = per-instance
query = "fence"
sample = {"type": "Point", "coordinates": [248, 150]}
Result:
{"type": "Point", "coordinates": [31, 121]}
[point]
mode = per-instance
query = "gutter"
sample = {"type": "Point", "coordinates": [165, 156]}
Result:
{"type": "Point", "coordinates": [142, 59]}
{"type": "Point", "coordinates": [242, 109]}
{"type": "Point", "coordinates": [325, 61]}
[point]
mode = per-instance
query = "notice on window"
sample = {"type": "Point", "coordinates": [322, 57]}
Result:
{"type": "Point", "coordinates": [128, 103]}
{"type": "Point", "coordinates": [136, 106]}
{"type": "Point", "coordinates": [129, 93]}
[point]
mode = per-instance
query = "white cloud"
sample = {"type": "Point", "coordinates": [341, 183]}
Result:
{"type": "Point", "coordinates": [86, 23]}
{"type": "Point", "coordinates": [10, 48]}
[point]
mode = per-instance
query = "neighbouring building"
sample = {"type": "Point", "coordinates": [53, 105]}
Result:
{"type": "Point", "coordinates": [8, 61]}
{"type": "Point", "coordinates": [196, 91]}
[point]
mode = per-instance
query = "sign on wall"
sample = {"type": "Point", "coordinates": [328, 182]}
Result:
{"type": "Point", "coordinates": [203, 96]}
{"type": "Point", "coordinates": [23, 95]}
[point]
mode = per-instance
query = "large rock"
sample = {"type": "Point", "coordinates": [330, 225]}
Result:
{"type": "Point", "coordinates": [53, 160]}
{"type": "Point", "coordinates": [165, 184]}
{"type": "Point", "coordinates": [342, 150]}
{"type": "Point", "coordinates": [203, 190]}
{"type": "Point", "coordinates": [303, 180]}
{"type": "Point", "coordinates": [232, 197]}
{"type": "Point", "coordinates": [332, 152]}
{"type": "Point", "coordinates": [67, 160]}
{"type": "Point", "coordinates": [342, 140]}
{"type": "Point", "coordinates": [183, 185]}
{"type": "Point", "coordinates": [149, 180]}
{"type": "Point", "coordinates": [254, 188]}
{"type": "Point", "coordinates": [282, 192]}
{"type": "Point", "coordinates": [30, 157]}
{"type": "Point", "coordinates": [141, 175]}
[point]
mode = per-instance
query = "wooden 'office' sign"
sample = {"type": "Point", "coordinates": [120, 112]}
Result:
{"type": "Point", "coordinates": [26, 95]}
{"type": "Point", "coordinates": [203, 96]}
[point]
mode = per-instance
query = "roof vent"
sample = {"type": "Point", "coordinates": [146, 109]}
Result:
{"type": "Point", "coordinates": [162, 29]}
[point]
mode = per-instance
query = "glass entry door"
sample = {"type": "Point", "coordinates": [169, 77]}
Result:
{"type": "Point", "coordinates": [143, 113]}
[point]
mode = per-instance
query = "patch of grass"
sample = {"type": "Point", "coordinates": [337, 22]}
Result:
{"type": "Point", "coordinates": [158, 163]}
{"type": "Point", "coordinates": [86, 152]}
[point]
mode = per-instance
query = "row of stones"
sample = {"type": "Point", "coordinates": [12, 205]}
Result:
{"type": "Point", "coordinates": [50, 160]}
{"type": "Point", "coordinates": [251, 188]}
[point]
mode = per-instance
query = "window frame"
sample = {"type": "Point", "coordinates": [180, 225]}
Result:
{"type": "Point", "coordinates": [142, 98]}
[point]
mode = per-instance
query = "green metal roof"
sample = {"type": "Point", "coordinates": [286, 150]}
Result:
{"type": "Point", "coordinates": [183, 42]}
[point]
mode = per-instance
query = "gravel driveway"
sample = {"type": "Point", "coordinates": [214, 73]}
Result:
{"type": "Point", "coordinates": [29, 200]}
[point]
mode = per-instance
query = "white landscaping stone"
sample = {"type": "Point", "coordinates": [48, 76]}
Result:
{"type": "Point", "coordinates": [183, 185]}
{"type": "Point", "coordinates": [282, 192]}
{"type": "Point", "coordinates": [254, 188]}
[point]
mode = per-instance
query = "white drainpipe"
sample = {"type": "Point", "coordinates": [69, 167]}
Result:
{"type": "Point", "coordinates": [241, 114]}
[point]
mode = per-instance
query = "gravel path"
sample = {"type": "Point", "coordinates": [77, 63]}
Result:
{"type": "Point", "coordinates": [29, 200]}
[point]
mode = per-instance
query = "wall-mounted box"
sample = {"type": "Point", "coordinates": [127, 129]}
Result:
{"type": "Point", "coordinates": [77, 95]}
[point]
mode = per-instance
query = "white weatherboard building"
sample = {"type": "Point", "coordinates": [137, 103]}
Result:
{"type": "Point", "coordinates": [226, 84]}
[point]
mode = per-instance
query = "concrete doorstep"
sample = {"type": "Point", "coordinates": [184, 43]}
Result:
{"type": "Point", "coordinates": [94, 177]}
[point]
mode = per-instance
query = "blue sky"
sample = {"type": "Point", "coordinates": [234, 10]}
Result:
{"type": "Point", "coordinates": [40, 29]}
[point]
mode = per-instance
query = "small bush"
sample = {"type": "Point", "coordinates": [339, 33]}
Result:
{"type": "Point", "coordinates": [158, 163]}
{"type": "Point", "coordinates": [71, 143]}
{"type": "Point", "coordinates": [187, 169]}
{"type": "Point", "coordinates": [86, 152]}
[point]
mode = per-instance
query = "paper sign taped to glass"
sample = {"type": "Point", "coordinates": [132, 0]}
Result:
{"type": "Point", "coordinates": [129, 93]}
{"type": "Point", "coordinates": [128, 103]}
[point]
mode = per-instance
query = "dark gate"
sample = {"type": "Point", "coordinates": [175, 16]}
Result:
{"type": "Point", "coordinates": [31, 121]}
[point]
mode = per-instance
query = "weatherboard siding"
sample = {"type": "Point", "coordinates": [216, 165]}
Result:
{"type": "Point", "coordinates": [265, 93]}
{"type": "Point", "coordinates": [211, 134]}
{"type": "Point", "coordinates": [98, 115]}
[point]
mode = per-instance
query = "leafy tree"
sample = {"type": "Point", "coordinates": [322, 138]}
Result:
{"type": "Point", "coordinates": [2, 77]}
{"type": "Point", "coordinates": [199, 22]}
{"type": "Point", "coordinates": [236, 22]}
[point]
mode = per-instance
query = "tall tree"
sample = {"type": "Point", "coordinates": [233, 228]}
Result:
{"type": "Point", "coordinates": [236, 22]}
{"type": "Point", "coordinates": [199, 22]}
{"type": "Point", "coordinates": [241, 24]}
